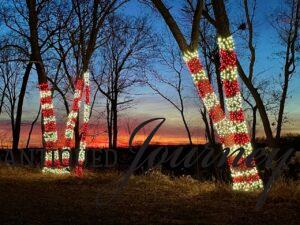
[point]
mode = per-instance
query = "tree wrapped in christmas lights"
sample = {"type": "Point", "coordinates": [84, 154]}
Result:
{"type": "Point", "coordinates": [233, 132]}
{"type": "Point", "coordinates": [49, 120]}
{"type": "Point", "coordinates": [52, 161]}
{"type": "Point", "coordinates": [81, 85]}
{"type": "Point", "coordinates": [245, 176]}
{"type": "Point", "coordinates": [49, 129]}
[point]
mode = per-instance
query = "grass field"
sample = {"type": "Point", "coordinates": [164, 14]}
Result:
{"type": "Point", "coordinates": [28, 197]}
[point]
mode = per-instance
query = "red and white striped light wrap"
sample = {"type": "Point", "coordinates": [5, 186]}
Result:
{"type": "Point", "coordinates": [243, 178]}
{"type": "Point", "coordinates": [207, 94]}
{"type": "Point", "coordinates": [52, 162]}
{"type": "Point", "coordinates": [86, 118]}
{"type": "Point", "coordinates": [50, 129]}
{"type": "Point", "coordinates": [82, 85]}
{"type": "Point", "coordinates": [49, 120]}
{"type": "Point", "coordinates": [72, 117]}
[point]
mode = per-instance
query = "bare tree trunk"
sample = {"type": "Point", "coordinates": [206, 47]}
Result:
{"type": "Point", "coordinates": [281, 108]}
{"type": "Point", "coordinates": [115, 124]}
{"type": "Point", "coordinates": [289, 67]}
{"type": "Point", "coordinates": [31, 127]}
{"type": "Point", "coordinates": [182, 110]}
{"type": "Point", "coordinates": [12, 119]}
{"type": "Point", "coordinates": [251, 46]}
{"type": "Point", "coordinates": [186, 127]}
{"type": "Point", "coordinates": [212, 131]}
{"type": "Point", "coordinates": [17, 128]}
{"type": "Point", "coordinates": [109, 123]}
{"type": "Point", "coordinates": [34, 41]}
{"type": "Point", "coordinates": [260, 106]}
{"type": "Point", "coordinates": [2, 99]}
{"type": "Point", "coordinates": [253, 138]}
{"type": "Point", "coordinates": [207, 126]}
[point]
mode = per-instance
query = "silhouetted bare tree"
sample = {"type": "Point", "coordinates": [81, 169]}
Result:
{"type": "Point", "coordinates": [171, 59]}
{"type": "Point", "coordinates": [287, 25]}
{"type": "Point", "coordinates": [10, 83]}
{"type": "Point", "coordinates": [124, 58]}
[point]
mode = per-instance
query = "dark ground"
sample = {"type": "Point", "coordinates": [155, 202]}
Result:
{"type": "Point", "coordinates": [29, 197]}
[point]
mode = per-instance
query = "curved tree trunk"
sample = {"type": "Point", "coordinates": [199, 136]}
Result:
{"type": "Point", "coordinates": [17, 128]}
{"type": "Point", "coordinates": [254, 119]}
{"type": "Point", "coordinates": [31, 127]}
{"type": "Point", "coordinates": [290, 60]}
{"type": "Point", "coordinates": [260, 106]}
{"type": "Point", "coordinates": [186, 127]}
{"type": "Point", "coordinates": [207, 126]}
{"type": "Point", "coordinates": [281, 109]}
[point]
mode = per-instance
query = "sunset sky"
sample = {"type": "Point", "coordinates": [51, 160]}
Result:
{"type": "Point", "coordinates": [147, 105]}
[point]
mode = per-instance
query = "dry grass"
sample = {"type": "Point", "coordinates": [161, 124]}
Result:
{"type": "Point", "coordinates": [28, 197]}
